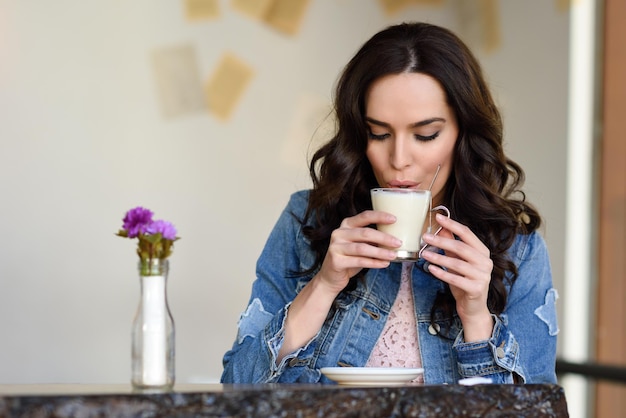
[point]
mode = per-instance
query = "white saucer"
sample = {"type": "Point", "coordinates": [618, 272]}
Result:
{"type": "Point", "coordinates": [371, 376]}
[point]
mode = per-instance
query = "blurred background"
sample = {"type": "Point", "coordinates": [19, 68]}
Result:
{"type": "Point", "coordinates": [206, 112]}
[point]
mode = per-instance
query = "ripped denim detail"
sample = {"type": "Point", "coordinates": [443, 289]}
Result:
{"type": "Point", "coordinates": [252, 321]}
{"type": "Point", "coordinates": [547, 312]}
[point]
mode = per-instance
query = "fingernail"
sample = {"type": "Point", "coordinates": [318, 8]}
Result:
{"type": "Point", "coordinates": [440, 217]}
{"type": "Point", "coordinates": [428, 236]}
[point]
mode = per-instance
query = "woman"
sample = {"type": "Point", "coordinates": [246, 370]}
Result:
{"type": "Point", "coordinates": [412, 109]}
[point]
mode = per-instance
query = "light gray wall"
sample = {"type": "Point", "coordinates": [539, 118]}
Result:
{"type": "Point", "coordinates": [82, 141]}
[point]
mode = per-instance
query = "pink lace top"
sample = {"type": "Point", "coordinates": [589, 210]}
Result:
{"type": "Point", "coordinates": [398, 345]}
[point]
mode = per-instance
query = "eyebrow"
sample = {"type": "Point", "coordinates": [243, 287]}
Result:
{"type": "Point", "coordinates": [414, 125]}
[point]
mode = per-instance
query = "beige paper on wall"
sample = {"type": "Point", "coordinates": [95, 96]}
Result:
{"type": "Point", "coordinates": [283, 15]}
{"type": "Point", "coordinates": [287, 15]}
{"type": "Point", "coordinates": [392, 7]}
{"type": "Point", "coordinates": [479, 23]}
{"type": "Point", "coordinates": [491, 19]}
{"type": "Point", "coordinates": [257, 9]}
{"type": "Point", "coordinates": [227, 85]}
{"type": "Point", "coordinates": [564, 5]}
{"type": "Point", "coordinates": [178, 81]}
{"type": "Point", "coordinates": [202, 9]}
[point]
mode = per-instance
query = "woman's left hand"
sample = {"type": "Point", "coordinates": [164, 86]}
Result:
{"type": "Point", "coordinates": [468, 268]}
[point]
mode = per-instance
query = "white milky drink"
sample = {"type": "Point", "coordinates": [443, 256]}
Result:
{"type": "Point", "coordinates": [410, 207]}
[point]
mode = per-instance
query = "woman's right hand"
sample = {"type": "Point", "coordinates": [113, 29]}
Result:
{"type": "Point", "coordinates": [355, 246]}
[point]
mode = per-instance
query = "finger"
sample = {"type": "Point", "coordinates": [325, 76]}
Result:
{"type": "Point", "coordinates": [363, 250]}
{"type": "Point", "coordinates": [458, 247]}
{"type": "Point", "coordinates": [368, 217]}
{"type": "Point", "coordinates": [446, 276]}
{"type": "Point", "coordinates": [472, 288]}
{"type": "Point", "coordinates": [354, 264]}
{"type": "Point", "coordinates": [444, 233]}
{"type": "Point", "coordinates": [349, 258]}
{"type": "Point", "coordinates": [365, 235]}
{"type": "Point", "coordinates": [452, 247]}
{"type": "Point", "coordinates": [458, 266]}
{"type": "Point", "coordinates": [463, 232]}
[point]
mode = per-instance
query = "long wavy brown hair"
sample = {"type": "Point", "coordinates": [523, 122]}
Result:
{"type": "Point", "coordinates": [484, 188]}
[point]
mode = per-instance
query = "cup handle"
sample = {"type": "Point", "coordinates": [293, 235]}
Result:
{"type": "Point", "coordinates": [435, 209]}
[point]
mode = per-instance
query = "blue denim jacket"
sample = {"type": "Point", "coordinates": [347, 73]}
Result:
{"type": "Point", "coordinates": [523, 342]}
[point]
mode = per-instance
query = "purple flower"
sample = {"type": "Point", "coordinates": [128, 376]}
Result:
{"type": "Point", "coordinates": [167, 230]}
{"type": "Point", "coordinates": [136, 221]}
{"type": "Point", "coordinates": [155, 238]}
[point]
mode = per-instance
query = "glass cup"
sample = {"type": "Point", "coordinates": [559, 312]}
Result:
{"type": "Point", "coordinates": [410, 208]}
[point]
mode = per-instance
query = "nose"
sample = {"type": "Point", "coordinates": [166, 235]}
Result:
{"type": "Point", "coordinates": [399, 153]}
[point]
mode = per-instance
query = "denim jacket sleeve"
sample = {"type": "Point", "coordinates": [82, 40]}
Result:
{"type": "Point", "coordinates": [252, 358]}
{"type": "Point", "coordinates": [523, 343]}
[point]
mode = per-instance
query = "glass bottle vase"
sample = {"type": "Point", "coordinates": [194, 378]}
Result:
{"type": "Point", "coordinates": [153, 331]}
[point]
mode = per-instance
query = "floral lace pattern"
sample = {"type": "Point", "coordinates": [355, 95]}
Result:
{"type": "Point", "coordinates": [398, 345]}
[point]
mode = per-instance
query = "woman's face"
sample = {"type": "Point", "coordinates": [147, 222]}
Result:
{"type": "Point", "coordinates": [412, 130]}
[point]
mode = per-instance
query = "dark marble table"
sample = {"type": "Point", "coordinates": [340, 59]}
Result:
{"type": "Point", "coordinates": [277, 400]}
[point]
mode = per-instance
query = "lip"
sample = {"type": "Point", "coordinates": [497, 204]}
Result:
{"type": "Point", "coordinates": [404, 184]}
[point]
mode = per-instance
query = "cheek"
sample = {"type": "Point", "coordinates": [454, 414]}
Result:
{"type": "Point", "coordinates": [373, 154]}
{"type": "Point", "coordinates": [446, 159]}
{"type": "Point", "coordinates": [430, 158]}
{"type": "Point", "coordinates": [445, 152]}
